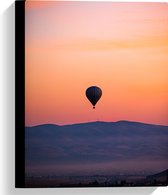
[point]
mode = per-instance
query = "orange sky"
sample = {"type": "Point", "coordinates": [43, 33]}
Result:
{"type": "Point", "coordinates": [120, 47]}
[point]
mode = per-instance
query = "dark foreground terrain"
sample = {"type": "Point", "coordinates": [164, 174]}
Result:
{"type": "Point", "coordinates": [159, 179]}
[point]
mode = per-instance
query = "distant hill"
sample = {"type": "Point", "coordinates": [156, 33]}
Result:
{"type": "Point", "coordinates": [161, 177]}
{"type": "Point", "coordinates": [96, 147]}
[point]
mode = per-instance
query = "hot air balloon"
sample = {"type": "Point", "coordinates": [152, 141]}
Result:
{"type": "Point", "coordinates": [93, 94]}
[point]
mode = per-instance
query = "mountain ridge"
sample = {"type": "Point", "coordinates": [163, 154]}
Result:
{"type": "Point", "coordinates": [93, 122]}
{"type": "Point", "coordinates": [104, 146]}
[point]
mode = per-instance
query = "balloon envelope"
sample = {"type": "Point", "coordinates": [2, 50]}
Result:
{"type": "Point", "coordinates": [93, 94]}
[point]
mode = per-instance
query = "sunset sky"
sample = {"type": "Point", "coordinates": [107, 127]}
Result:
{"type": "Point", "coordinates": [120, 47]}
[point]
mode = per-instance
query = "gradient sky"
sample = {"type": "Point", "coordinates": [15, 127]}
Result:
{"type": "Point", "coordinates": [120, 47]}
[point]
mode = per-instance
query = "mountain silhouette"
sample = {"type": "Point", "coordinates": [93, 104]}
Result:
{"type": "Point", "coordinates": [163, 174]}
{"type": "Point", "coordinates": [96, 147]}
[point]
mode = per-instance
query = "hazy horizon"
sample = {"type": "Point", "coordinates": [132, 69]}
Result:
{"type": "Point", "coordinates": [85, 122]}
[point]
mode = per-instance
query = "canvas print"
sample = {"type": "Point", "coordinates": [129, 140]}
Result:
{"type": "Point", "coordinates": [96, 99]}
